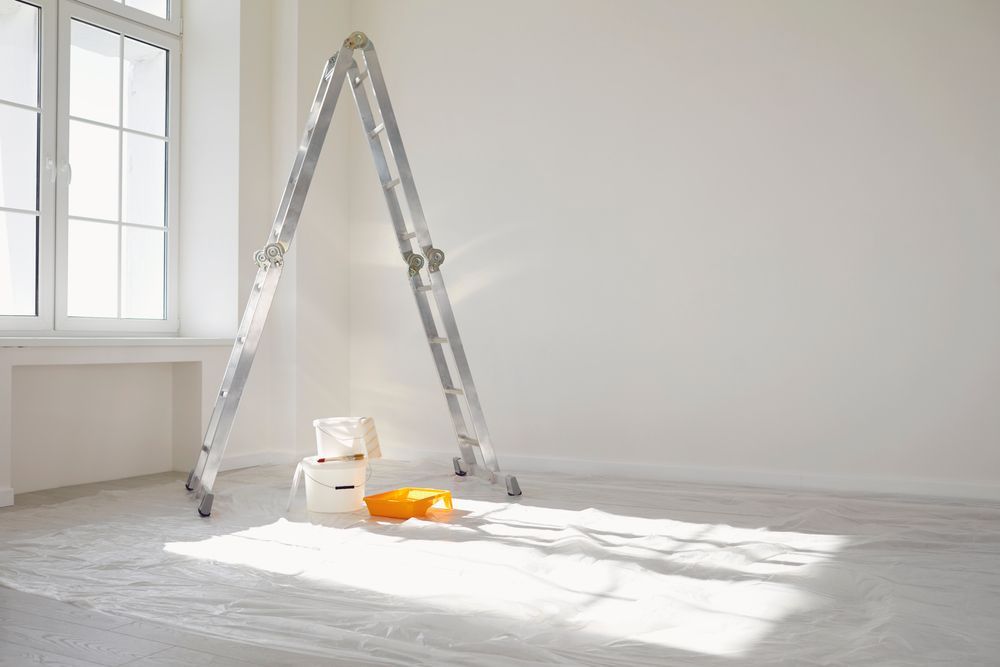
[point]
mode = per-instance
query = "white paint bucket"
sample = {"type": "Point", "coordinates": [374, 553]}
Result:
{"type": "Point", "coordinates": [334, 486]}
{"type": "Point", "coordinates": [344, 436]}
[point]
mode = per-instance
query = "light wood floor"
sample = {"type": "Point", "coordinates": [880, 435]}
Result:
{"type": "Point", "coordinates": [39, 630]}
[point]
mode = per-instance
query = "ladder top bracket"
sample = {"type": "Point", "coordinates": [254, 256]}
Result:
{"type": "Point", "coordinates": [356, 40]}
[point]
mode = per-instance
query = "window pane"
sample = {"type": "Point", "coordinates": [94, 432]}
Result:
{"type": "Point", "coordinates": [145, 87]}
{"type": "Point", "coordinates": [18, 263]}
{"type": "Point", "coordinates": [92, 268]}
{"type": "Point", "coordinates": [94, 73]}
{"type": "Point", "coordinates": [93, 157]}
{"type": "Point", "coordinates": [155, 7]}
{"type": "Point", "coordinates": [142, 273]}
{"type": "Point", "coordinates": [144, 180]}
{"type": "Point", "coordinates": [19, 44]}
{"type": "Point", "coordinates": [18, 158]}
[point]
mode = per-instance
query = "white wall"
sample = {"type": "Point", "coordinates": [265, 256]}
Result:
{"type": "Point", "coordinates": [82, 410]}
{"type": "Point", "coordinates": [714, 236]}
{"type": "Point", "coordinates": [109, 432]}
{"type": "Point", "coordinates": [737, 241]}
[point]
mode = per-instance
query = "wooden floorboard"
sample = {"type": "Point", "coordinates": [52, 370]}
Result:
{"type": "Point", "coordinates": [16, 655]}
{"type": "Point", "coordinates": [14, 601]}
{"type": "Point", "coordinates": [40, 630]}
{"type": "Point", "coordinates": [245, 653]}
{"type": "Point", "coordinates": [73, 640]}
{"type": "Point", "coordinates": [183, 657]}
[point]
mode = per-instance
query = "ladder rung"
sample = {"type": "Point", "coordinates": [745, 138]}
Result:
{"type": "Point", "coordinates": [375, 131]}
{"type": "Point", "coordinates": [438, 341]}
{"type": "Point", "coordinates": [408, 235]}
{"type": "Point", "coordinates": [467, 440]}
{"type": "Point", "coordinates": [360, 78]}
{"type": "Point", "coordinates": [455, 391]}
{"type": "Point", "coordinates": [424, 288]}
{"type": "Point", "coordinates": [391, 184]}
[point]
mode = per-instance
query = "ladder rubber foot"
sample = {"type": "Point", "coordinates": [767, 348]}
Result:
{"type": "Point", "coordinates": [191, 482]}
{"type": "Point", "coordinates": [205, 508]}
{"type": "Point", "coordinates": [457, 462]}
{"type": "Point", "coordinates": [513, 488]}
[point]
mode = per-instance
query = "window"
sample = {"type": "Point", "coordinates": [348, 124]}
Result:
{"type": "Point", "coordinates": [88, 166]}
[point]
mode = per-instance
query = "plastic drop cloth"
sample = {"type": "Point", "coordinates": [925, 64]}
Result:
{"type": "Point", "coordinates": [578, 571]}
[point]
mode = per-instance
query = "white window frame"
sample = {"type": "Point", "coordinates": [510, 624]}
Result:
{"type": "Point", "coordinates": [46, 175]}
{"type": "Point", "coordinates": [171, 24]}
{"type": "Point", "coordinates": [68, 11]}
{"type": "Point", "coordinates": [54, 172]}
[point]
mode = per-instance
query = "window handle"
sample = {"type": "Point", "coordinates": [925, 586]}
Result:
{"type": "Point", "coordinates": [66, 169]}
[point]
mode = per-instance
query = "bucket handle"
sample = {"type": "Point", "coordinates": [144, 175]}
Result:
{"type": "Point", "coordinates": [300, 471]}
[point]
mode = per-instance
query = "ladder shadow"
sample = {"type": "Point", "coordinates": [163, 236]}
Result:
{"type": "Point", "coordinates": [594, 544]}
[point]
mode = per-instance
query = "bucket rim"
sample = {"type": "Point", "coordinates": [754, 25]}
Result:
{"type": "Point", "coordinates": [339, 420]}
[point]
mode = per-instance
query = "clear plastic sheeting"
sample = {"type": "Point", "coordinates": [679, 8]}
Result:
{"type": "Point", "coordinates": [578, 571]}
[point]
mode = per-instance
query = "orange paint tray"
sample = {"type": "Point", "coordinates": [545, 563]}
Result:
{"type": "Point", "coordinates": [406, 503]}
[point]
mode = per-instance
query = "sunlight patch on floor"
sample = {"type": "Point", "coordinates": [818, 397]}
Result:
{"type": "Point", "coordinates": [713, 589]}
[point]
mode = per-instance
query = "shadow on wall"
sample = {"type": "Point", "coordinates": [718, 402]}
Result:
{"type": "Point", "coordinates": [486, 249]}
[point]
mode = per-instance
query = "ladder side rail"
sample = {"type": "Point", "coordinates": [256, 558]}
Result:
{"type": "Point", "coordinates": [222, 399]}
{"type": "Point", "coordinates": [464, 371]}
{"type": "Point", "coordinates": [229, 398]}
{"type": "Point", "coordinates": [384, 104]}
{"type": "Point", "coordinates": [406, 249]}
{"type": "Point", "coordinates": [318, 121]}
{"type": "Point", "coordinates": [381, 162]}
{"type": "Point", "coordinates": [266, 281]}
{"type": "Point", "coordinates": [463, 431]}
{"type": "Point", "coordinates": [423, 236]}
{"type": "Point", "coordinates": [227, 380]}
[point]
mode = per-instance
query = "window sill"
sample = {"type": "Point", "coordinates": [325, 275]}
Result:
{"type": "Point", "coordinates": [112, 341]}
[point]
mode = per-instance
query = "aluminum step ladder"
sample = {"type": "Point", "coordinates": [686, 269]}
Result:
{"type": "Point", "coordinates": [423, 262]}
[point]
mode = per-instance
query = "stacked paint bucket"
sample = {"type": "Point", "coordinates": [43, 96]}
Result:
{"type": "Point", "coordinates": [335, 478]}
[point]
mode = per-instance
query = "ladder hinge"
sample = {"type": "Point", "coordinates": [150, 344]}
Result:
{"type": "Point", "coordinates": [435, 258]}
{"type": "Point", "coordinates": [356, 40]}
{"type": "Point", "coordinates": [414, 262]}
{"type": "Point", "coordinates": [273, 254]}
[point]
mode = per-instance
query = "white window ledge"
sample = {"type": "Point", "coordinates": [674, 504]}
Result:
{"type": "Point", "coordinates": [112, 341]}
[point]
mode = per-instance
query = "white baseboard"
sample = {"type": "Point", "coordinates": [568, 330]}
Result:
{"type": "Point", "coordinates": [251, 459]}
{"type": "Point", "coordinates": [773, 479]}
{"type": "Point", "coordinates": [6, 496]}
